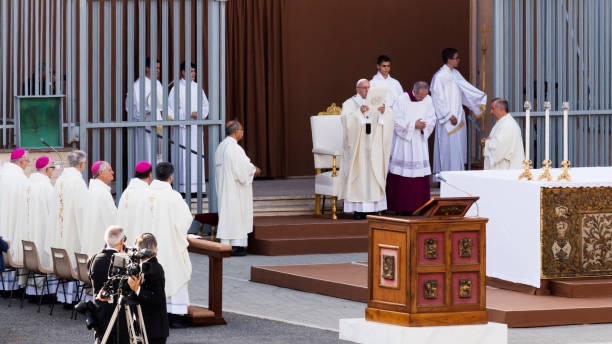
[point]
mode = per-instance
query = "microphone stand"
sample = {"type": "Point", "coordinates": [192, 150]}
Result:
{"type": "Point", "coordinates": [56, 152]}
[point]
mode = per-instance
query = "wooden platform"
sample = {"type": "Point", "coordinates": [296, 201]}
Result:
{"type": "Point", "coordinates": [307, 234]}
{"type": "Point", "coordinates": [516, 309]}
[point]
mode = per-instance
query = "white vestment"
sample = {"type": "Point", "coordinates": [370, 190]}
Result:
{"type": "Point", "coordinates": [13, 216]}
{"type": "Point", "coordinates": [100, 213]}
{"type": "Point", "coordinates": [168, 217]}
{"type": "Point", "coordinates": [137, 116]}
{"type": "Point", "coordinates": [504, 148]}
{"type": "Point", "coordinates": [235, 174]}
{"type": "Point", "coordinates": [366, 156]}
{"type": "Point", "coordinates": [131, 209]}
{"type": "Point", "coordinates": [186, 115]}
{"type": "Point", "coordinates": [41, 214]}
{"type": "Point", "coordinates": [450, 91]}
{"type": "Point", "coordinates": [410, 150]}
{"type": "Point", "coordinates": [394, 88]}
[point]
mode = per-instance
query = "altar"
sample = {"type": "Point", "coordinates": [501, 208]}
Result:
{"type": "Point", "coordinates": [541, 230]}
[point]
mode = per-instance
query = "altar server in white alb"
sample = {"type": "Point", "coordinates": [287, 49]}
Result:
{"type": "Point", "coordinates": [101, 211]}
{"type": "Point", "coordinates": [168, 218]}
{"type": "Point", "coordinates": [368, 135]}
{"type": "Point", "coordinates": [450, 91]}
{"type": "Point", "coordinates": [142, 101]}
{"type": "Point", "coordinates": [42, 208]}
{"type": "Point", "coordinates": [383, 79]}
{"type": "Point", "coordinates": [503, 149]}
{"type": "Point", "coordinates": [185, 112]}
{"type": "Point", "coordinates": [72, 198]}
{"type": "Point", "coordinates": [409, 168]}
{"type": "Point", "coordinates": [133, 201]}
{"type": "Point", "coordinates": [235, 174]}
{"type": "Point", "coordinates": [13, 202]}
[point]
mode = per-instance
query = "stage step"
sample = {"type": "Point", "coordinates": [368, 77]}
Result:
{"type": "Point", "coordinates": [279, 205]}
{"type": "Point", "coordinates": [582, 288]}
{"type": "Point", "coordinates": [288, 235]}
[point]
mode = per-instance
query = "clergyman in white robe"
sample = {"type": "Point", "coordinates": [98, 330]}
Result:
{"type": "Point", "coordinates": [235, 174]}
{"type": "Point", "coordinates": [132, 205]}
{"type": "Point", "coordinates": [101, 211]}
{"type": "Point", "coordinates": [366, 155]}
{"type": "Point", "coordinates": [13, 206]}
{"type": "Point", "coordinates": [183, 114]}
{"type": "Point", "coordinates": [168, 218]}
{"type": "Point", "coordinates": [383, 79]}
{"type": "Point", "coordinates": [408, 186]}
{"type": "Point", "coordinates": [450, 91]}
{"type": "Point", "coordinates": [503, 148]}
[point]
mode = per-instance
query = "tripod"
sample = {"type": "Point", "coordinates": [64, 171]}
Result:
{"type": "Point", "coordinates": [134, 338]}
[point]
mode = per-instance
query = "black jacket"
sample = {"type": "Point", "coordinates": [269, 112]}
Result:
{"type": "Point", "coordinates": [152, 297]}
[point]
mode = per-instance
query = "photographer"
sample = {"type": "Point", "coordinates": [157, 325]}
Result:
{"type": "Point", "coordinates": [98, 267]}
{"type": "Point", "coordinates": [149, 288]}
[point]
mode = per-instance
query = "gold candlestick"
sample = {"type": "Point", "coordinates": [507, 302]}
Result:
{"type": "Point", "coordinates": [565, 174]}
{"type": "Point", "coordinates": [526, 170]}
{"type": "Point", "coordinates": [546, 168]}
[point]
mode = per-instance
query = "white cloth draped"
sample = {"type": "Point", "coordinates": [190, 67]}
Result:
{"type": "Point", "coordinates": [41, 214]}
{"type": "Point", "coordinates": [131, 209]}
{"type": "Point", "coordinates": [235, 174]}
{"type": "Point", "coordinates": [100, 213]}
{"type": "Point", "coordinates": [146, 116]}
{"type": "Point", "coordinates": [504, 148]}
{"type": "Point", "coordinates": [186, 115]}
{"type": "Point", "coordinates": [179, 302]}
{"type": "Point", "coordinates": [394, 88]}
{"type": "Point", "coordinates": [168, 217]}
{"type": "Point", "coordinates": [410, 150]}
{"type": "Point", "coordinates": [450, 91]}
{"type": "Point", "coordinates": [13, 216]}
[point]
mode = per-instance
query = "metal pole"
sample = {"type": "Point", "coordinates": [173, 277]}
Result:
{"type": "Point", "coordinates": [83, 80]}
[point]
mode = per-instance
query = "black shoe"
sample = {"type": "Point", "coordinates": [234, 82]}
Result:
{"type": "Point", "coordinates": [358, 216]}
{"type": "Point", "coordinates": [238, 251]}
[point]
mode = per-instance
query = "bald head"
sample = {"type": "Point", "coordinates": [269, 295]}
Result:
{"type": "Point", "coordinates": [234, 129]}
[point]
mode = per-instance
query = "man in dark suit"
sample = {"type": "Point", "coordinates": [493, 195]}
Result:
{"type": "Point", "coordinates": [4, 246]}
{"type": "Point", "coordinates": [98, 272]}
{"type": "Point", "coordinates": [149, 288]}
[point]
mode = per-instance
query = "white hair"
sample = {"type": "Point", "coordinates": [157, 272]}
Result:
{"type": "Point", "coordinates": [103, 167]}
{"type": "Point", "coordinates": [75, 158]}
{"type": "Point", "coordinates": [113, 235]}
{"type": "Point", "coordinates": [359, 82]}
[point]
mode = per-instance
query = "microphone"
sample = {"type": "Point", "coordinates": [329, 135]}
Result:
{"type": "Point", "coordinates": [437, 175]}
{"type": "Point", "coordinates": [56, 152]}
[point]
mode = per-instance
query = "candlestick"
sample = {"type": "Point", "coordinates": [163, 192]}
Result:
{"type": "Point", "coordinates": [546, 131]}
{"type": "Point", "coordinates": [565, 136]}
{"type": "Point", "coordinates": [526, 170]}
{"type": "Point", "coordinates": [565, 174]}
{"type": "Point", "coordinates": [546, 168]}
{"type": "Point", "coordinates": [527, 106]}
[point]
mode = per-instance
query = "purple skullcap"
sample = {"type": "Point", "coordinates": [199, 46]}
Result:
{"type": "Point", "coordinates": [96, 167]}
{"type": "Point", "coordinates": [142, 167]}
{"type": "Point", "coordinates": [42, 162]}
{"type": "Point", "coordinates": [17, 153]}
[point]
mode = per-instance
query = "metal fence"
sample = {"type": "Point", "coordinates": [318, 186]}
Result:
{"type": "Point", "coordinates": [95, 50]}
{"type": "Point", "coordinates": [557, 51]}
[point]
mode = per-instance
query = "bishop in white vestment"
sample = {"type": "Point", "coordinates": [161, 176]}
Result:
{"type": "Point", "coordinates": [409, 169]}
{"type": "Point", "coordinates": [41, 208]}
{"type": "Point", "coordinates": [133, 202]}
{"type": "Point", "coordinates": [101, 211]}
{"type": "Point", "coordinates": [383, 79]}
{"type": "Point", "coordinates": [235, 174]}
{"type": "Point", "coordinates": [503, 149]}
{"type": "Point", "coordinates": [13, 202]}
{"type": "Point", "coordinates": [450, 91]}
{"type": "Point", "coordinates": [72, 200]}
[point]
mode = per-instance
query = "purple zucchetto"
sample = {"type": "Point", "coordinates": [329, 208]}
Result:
{"type": "Point", "coordinates": [96, 167]}
{"type": "Point", "coordinates": [142, 167]}
{"type": "Point", "coordinates": [17, 153]}
{"type": "Point", "coordinates": [42, 162]}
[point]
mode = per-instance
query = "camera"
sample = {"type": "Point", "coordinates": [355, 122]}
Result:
{"type": "Point", "coordinates": [89, 309]}
{"type": "Point", "coordinates": [123, 266]}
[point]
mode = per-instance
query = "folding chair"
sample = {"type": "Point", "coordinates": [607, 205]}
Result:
{"type": "Point", "coordinates": [83, 277]}
{"type": "Point", "coordinates": [63, 271]}
{"type": "Point", "coordinates": [15, 267]}
{"type": "Point", "coordinates": [31, 262]}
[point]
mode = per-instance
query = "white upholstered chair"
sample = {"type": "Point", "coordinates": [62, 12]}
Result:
{"type": "Point", "coordinates": [327, 148]}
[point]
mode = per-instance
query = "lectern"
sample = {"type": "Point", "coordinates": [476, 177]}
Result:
{"type": "Point", "coordinates": [429, 269]}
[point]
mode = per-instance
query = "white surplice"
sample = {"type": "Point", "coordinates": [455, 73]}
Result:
{"type": "Point", "coordinates": [450, 91]}
{"type": "Point", "coordinates": [186, 115]}
{"type": "Point", "coordinates": [41, 214]}
{"type": "Point", "coordinates": [146, 116]}
{"type": "Point", "coordinates": [13, 216]}
{"type": "Point", "coordinates": [235, 174]}
{"type": "Point", "coordinates": [100, 213]}
{"type": "Point", "coordinates": [168, 217]}
{"type": "Point", "coordinates": [394, 88]}
{"type": "Point", "coordinates": [504, 148]}
{"type": "Point", "coordinates": [131, 209]}
{"type": "Point", "coordinates": [410, 150]}
{"type": "Point", "coordinates": [366, 156]}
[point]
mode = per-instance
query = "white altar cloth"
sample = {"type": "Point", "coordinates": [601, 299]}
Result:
{"type": "Point", "coordinates": [513, 210]}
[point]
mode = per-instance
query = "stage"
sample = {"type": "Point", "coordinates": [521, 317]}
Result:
{"type": "Point", "coordinates": [516, 309]}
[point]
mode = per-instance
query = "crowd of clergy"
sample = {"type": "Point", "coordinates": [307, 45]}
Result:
{"type": "Point", "coordinates": [386, 165]}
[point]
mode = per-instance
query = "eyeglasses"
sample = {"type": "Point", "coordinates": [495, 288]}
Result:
{"type": "Point", "coordinates": [366, 87]}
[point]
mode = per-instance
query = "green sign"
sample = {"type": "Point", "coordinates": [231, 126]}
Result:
{"type": "Point", "coordinates": [40, 117]}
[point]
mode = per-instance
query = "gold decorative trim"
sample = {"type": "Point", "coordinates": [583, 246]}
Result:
{"type": "Point", "coordinates": [456, 129]}
{"type": "Point", "coordinates": [333, 109]}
